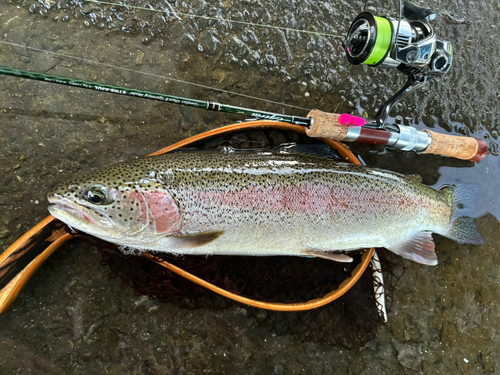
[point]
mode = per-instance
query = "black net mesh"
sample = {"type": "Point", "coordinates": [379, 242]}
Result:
{"type": "Point", "coordinates": [350, 321]}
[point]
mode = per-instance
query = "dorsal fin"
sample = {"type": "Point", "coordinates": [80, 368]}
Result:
{"type": "Point", "coordinates": [316, 150]}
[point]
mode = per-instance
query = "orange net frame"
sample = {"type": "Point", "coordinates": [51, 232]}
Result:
{"type": "Point", "coordinates": [12, 286]}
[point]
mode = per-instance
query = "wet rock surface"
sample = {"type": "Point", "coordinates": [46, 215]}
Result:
{"type": "Point", "coordinates": [72, 318]}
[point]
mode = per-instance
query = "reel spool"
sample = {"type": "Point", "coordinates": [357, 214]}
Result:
{"type": "Point", "coordinates": [408, 44]}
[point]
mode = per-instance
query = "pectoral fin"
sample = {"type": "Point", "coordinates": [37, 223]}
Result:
{"type": "Point", "coordinates": [419, 248]}
{"type": "Point", "coordinates": [336, 257]}
{"type": "Point", "coordinates": [195, 239]}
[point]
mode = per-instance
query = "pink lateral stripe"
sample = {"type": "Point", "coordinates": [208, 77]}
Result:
{"type": "Point", "coordinates": [312, 200]}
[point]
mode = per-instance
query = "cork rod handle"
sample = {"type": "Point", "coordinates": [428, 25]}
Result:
{"type": "Point", "coordinates": [335, 126]}
{"type": "Point", "coordinates": [465, 148]}
{"type": "Point", "coordinates": [326, 125]}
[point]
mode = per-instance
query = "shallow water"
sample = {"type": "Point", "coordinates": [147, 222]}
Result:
{"type": "Point", "coordinates": [72, 319]}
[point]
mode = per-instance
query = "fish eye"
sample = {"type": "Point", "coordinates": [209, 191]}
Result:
{"type": "Point", "coordinates": [98, 194]}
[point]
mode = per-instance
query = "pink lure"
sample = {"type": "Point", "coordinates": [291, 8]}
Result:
{"type": "Point", "coordinates": [348, 120]}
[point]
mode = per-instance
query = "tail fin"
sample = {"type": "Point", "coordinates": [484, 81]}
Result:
{"type": "Point", "coordinates": [462, 228]}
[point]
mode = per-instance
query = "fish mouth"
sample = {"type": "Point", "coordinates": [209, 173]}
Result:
{"type": "Point", "coordinates": [80, 217]}
{"type": "Point", "coordinates": [77, 215]}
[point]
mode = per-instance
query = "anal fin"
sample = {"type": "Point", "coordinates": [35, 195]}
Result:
{"type": "Point", "coordinates": [336, 257]}
{"type": "Point", "coordinates": [419, 248]}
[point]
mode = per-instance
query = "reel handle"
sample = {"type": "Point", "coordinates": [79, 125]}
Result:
{"type": "Point", "coordinates": [415, 13]}
{"type": "Point", "coordinates": [328, 125]}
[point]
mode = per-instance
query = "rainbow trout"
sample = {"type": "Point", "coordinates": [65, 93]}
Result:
{"type": "Point", "coordinates": [263, 204]}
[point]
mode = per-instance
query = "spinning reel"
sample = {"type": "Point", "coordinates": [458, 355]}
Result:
{"type": "Point", "coordinates": [408, 44]}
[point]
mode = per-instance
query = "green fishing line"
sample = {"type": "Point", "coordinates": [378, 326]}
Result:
{"type": "Point", "coordinates": [382, 42]}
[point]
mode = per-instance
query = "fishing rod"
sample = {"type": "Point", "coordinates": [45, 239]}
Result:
{"type": "Point", "coordinates": [318, 124]}
{"type": "Point", "coordinates": [408, 44]}
{"type": "Point", "coordinates": [208, 105]}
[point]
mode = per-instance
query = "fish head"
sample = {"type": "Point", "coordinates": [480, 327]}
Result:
{"type": "Point", "coordinates": [124, 205]}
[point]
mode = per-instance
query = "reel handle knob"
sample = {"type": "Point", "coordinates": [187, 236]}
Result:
{"type": "Point", "coordinates": [465, 148]}
{"type": "Point", "coordinates": [416, 13]}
